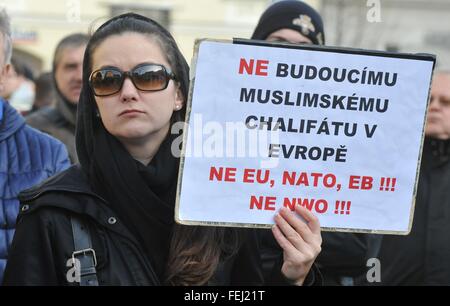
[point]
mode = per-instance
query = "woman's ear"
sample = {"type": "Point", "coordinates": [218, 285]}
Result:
{"type": "Point", "coordinates": [179, 99]}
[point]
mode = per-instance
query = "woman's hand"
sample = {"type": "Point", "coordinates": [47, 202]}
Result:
{"type": "Point", "coordinates": [300, 241]}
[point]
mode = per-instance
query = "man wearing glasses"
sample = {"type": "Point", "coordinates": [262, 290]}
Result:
{"type": "Point", "coordinates": [422, 257]}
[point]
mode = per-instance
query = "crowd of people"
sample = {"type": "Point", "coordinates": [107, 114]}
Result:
{"type": "Point", "coordinates": [87, 173]}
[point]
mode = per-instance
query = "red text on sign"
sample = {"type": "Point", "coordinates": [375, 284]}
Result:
{"type": "Point", "coordinates": [256, 175]}
{"type": "Point", "coordinates": [222, 174]}
{"type": "Point", "coordinates": [320, 206]}
{"type": "Point", "coordinates": [314, 179]}
{"type": "Point", "coordinates": [262, 203]}
{"type": "Point", "coordinates": [360, 182]}
{"type": "Point", "coordinates": [249, 66]}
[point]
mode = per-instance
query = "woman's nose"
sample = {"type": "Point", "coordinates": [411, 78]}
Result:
{"type": "Point", "coordinates": [128, 91]}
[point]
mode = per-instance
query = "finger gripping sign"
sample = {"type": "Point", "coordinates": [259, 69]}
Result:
{"type": "Point", "coordinates": [336, 130]}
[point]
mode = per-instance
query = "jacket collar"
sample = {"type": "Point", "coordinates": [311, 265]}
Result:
{"type": "Point", "coordinates": [72, 180]}
{"type": "Point", "coordinates": [70, 184]}
{"type": "Point", "coordinates": [68, 111]}
{"type": "Point", "coordinates": [11, 120]}
{"type": "Point", "coordinates": [73, 184]}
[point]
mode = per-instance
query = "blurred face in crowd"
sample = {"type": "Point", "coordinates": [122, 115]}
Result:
{"type": "Point", "coordinates": [132, 115]}
{"type": "Point", "coordinates": [4, 68]}
{"type": "Point", "coordinates": [438, 118]}
{"type": "Point", "coordinates": [68, 73]}
{"type": "Point", "coordinates": [288, 35]}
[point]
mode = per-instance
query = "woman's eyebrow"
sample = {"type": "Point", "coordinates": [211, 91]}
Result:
{"type": "Point", "coordinates": [117, 68]}
{"type": "Point", "coordinates": [106, 67]}
{"type": "Point", "coordinates": [147, 63]}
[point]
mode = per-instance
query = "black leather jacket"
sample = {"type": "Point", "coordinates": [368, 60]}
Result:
{"type": "Point", "coordinates": [43, 242]}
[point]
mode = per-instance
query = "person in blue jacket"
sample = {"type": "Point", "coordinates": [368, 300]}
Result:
{"type": "Point", "coordinates": [27, 156]}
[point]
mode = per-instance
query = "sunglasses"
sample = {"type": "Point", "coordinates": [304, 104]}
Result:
{"type": "Point", "coordinates": [145, 77]}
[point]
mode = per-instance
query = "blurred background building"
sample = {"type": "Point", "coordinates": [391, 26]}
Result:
{"type": "Point", "coordinates": [412, 26]}
{"type": "Point", "coordinates": [396, 25]}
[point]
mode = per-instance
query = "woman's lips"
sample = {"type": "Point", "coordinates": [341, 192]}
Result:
{"type": "Point", "coordinates": [131, 111]}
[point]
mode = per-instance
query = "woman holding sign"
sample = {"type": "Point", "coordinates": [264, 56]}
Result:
{"type": "Point", "coordinates": [112, 216]}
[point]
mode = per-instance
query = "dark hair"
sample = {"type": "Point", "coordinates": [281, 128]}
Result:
{"type": "Point", "coordinates": [194, 251]}
{"type": "Point", "coordinates": [45, 90]}
{"type": "Point", "coordinates": [71, 41]}
{"type": "Point", "coordinates": [21, 68]}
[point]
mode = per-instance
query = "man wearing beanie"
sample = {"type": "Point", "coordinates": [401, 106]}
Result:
{"type": "Point", "coordinates": [344, 255]}
{"type": "Point", "coordinates": [59, 121]}
{"type": "Point", "coordinates": [290, 21]}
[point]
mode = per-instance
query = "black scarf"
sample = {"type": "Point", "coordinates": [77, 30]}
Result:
{"type": "Point", "coordinates": [142, 196]}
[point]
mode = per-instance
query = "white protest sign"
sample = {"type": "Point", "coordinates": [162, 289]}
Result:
{"type": "Point", "coordinates": [339, 131]}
